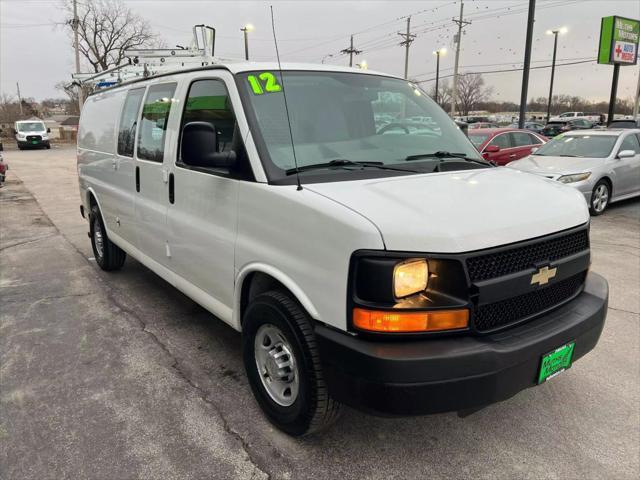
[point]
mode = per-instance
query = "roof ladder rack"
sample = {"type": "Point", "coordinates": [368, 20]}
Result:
{"type": "Point", "coordinates": [145, 63]}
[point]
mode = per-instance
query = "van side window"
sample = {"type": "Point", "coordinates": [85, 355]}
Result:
{"type": "Point", "coordinates": [128, 122]}
{"type": "Point", "coordinates": [208, 101]}
{"type": "Point", "coordinates": [153, 123]}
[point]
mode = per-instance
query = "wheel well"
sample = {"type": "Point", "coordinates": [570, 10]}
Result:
{"type": "Point", "coordinates": [255, 284]}
{"type": "Point", "coordinates": [610, 183]}
{"type": "Point", "coordinates": [92, 200]}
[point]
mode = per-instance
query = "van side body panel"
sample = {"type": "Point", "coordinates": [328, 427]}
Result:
{"type": "Point", "coordinates": [98, 166]}
{"type": "Point", "coordinates": [312, 253]}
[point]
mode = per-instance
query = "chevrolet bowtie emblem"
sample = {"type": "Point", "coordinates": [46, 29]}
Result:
{"type": "Point", "coordinates": [542, 276]}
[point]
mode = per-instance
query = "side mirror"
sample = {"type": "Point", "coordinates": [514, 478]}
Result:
{"type": "Point", "coordinates": [48, 130]}
{"type": "Point", "coordinates": [199, 147]}
{"type": "Point", "coordinates": [626, 154]}
{"type": "Point", "coordinates": [492, 149]}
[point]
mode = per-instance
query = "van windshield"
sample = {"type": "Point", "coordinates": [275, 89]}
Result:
{"type": "Point", "coordinates": [30, 127]}
{"type": "Point", "coordinates": [346, 116]}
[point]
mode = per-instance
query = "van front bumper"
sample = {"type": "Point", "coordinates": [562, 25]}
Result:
{"type": "Point", "coordinates": [459, 373]}
{"type": "Point", "coordinates": [33, 143]}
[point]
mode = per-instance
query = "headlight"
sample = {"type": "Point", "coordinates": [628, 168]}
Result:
{"type": "Point", "coordinates": [575, 177]}
{"type": "Point", "coordinates": [22, 135]}
{"type": "Point", "coordinates": [394, 293]}
{"type": "Point", "coordinates": [410, 277]}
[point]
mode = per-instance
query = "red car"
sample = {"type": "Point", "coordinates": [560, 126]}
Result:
{"type": "Point", "coordinates": [504, 145]}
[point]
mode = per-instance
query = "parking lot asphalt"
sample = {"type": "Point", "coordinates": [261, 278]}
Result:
{"type": "Point", "coordinates": [119, 375]}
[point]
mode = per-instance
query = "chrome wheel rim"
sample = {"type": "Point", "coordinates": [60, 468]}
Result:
{"type": "Point", "coordinates": [98, 238]}
{"type": "Point", "coordinates": [277, 366]}
{"type": "Point", "coordinates": [600, 198]}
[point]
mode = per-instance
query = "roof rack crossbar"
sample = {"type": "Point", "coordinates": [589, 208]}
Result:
{"type": "Point", "coordinates": [147, 62]}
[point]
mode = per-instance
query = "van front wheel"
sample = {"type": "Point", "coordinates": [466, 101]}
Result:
{"type": "Point", "coordinates": [283, 365]}
{"type": "Point", "coordinates": [107, 254]}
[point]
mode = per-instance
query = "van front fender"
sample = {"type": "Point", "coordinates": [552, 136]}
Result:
{"type": "Point", "coordinates": [276, 274]}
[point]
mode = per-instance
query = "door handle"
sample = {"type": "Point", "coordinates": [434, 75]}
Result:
{"type": "Point", "coordinates": [137, 179]}
{"type": "Point", "coordinates": [513, 155]}
{"type": "Point", "coordinates": [172, 193]}
{"type": "Point", "coordinates": [114, 163]}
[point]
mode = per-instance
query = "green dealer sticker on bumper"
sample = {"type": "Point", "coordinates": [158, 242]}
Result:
{"type": "Point", "coordinates": [556, 362]}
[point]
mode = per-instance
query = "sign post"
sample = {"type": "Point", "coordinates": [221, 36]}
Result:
{"type": "Point", "coordinates": [618, 46]}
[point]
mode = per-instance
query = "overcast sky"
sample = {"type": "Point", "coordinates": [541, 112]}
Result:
{"type": "Point", "coordinates": [39, 54]}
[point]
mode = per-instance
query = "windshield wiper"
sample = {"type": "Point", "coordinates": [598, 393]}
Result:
{"type": "Point", "coordinates": [441, 154]}
{"type": "Point", "coordinates": [341, 162]}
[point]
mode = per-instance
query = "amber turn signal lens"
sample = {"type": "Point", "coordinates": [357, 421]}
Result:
{"type": "Point", "coordinates": [399, 321]}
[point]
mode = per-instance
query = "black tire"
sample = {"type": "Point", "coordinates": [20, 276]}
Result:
{"type": "Point", "coordinates": [48, 147]}
{"type": "Point", "coordinates": [20, 148]}
{"type": "Point", "coordinates": [313, 409]}
{"type": "Point", "coordinates": [600, 198]}
{"type": "Point", "coordinates": [109, 257]}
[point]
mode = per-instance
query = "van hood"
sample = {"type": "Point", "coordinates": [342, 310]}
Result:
{"type": "Point", "coordinates": [461, 211]}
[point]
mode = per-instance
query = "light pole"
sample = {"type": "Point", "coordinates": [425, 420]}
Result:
{"type": "Point", "coordinates": [553, 64]}
{"type": "Point", "coordinates": [437, 53]}
{"type": "Point", "coordinates": [363, 65]}
{"type": "Point", "coordinates": [246, 29]}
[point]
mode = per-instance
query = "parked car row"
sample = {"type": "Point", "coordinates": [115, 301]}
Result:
{"type": "Point", "coordinates": [556, 127]}
{"type": "Point", "coordinates": [603, 165]}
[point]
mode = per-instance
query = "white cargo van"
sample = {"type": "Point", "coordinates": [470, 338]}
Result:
{"type": "Point", "coordinates": [32, 134]}
{"type": "Point", "coordinates": [365, 260]}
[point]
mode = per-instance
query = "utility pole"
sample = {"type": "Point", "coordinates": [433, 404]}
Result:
{"type": "Point", "coordinates": [527, 63]}
{"type": "Point", "coordinates": [408, 39]}
{"type": "Point", "coordinates": [454, 91]}
{"type": "Point", "coordinates": [351, 51]}
{"type": "Point", "coordinates": [76, 23]}
{"type": "Point", "coordinates": [19, 98]}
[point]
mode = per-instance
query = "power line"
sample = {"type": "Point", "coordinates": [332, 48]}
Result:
{"type": "Point", "coordinates": [487, 72]}
{"type": "Point", "coordinates": [503, 63]}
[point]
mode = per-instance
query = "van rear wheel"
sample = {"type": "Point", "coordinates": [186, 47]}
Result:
{"type": "Point", "coordinates": [107, 254]}
{"type": "Point", "coordinates": [282, 362]}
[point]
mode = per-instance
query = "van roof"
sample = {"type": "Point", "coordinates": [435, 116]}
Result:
{"type": "Point", "coordinates": [247, 66]}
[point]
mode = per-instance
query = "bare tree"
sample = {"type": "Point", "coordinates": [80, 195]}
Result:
{"type": "Point", "coordinates": [444, 93]}
{"type": "Point", "coordinates": [9, 109]}
{"type": "Point", "coordinates": [471, 91]}
{"type": "Point", "coordinates": [106, 28]}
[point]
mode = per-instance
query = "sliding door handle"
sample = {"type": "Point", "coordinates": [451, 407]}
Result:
{"type": "Point", "coordinates": [172, 193]}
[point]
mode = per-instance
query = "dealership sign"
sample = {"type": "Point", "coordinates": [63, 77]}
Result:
{"type": "Point", "coordinates": [619, 41]}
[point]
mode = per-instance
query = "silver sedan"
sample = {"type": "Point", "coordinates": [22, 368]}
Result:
{"type": "Point", "coordinates": [602, 164]}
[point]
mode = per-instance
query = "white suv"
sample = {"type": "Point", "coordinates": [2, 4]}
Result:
{"type": "Point", "coordinates": [389, 268]}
